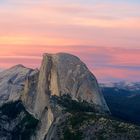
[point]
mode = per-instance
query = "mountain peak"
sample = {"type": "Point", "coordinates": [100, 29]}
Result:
{"type": "Point", "coordinates": [69, 75]}
{"type": "Point", "coordinates": [59, 100]}
{"type": "Point", "coordinates": [61, 55]}
{"type": "Point", "coordinates": [60, 75]}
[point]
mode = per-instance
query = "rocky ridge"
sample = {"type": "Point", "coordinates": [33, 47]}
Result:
{"type": "Point", "coordinates": [60, 74]}
{"type": "Point", "coordinates": [47, 98]}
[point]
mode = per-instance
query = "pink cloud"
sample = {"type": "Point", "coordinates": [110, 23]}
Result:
{"type": "Point", "coordinates": [111, 74]}
{"type": "Point", "coordinates": [104, 62]}
{"type": "Point", "coordinates": [28, 29]}
{"type": "Point", "coordinates": [46, 23]}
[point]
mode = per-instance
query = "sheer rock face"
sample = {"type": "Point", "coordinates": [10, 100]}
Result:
{"type": "Point", "coordinates": [66, 74]}
{"type": "Point", "coordinates": [59, 74]}
{"type": "Point", "coordinates": [30, 91]}
{"type": "Point", "coordinates": [63, 74]}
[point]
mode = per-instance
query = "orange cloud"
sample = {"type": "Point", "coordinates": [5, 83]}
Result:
{"type": "Point", "coordinates": [31, 40]}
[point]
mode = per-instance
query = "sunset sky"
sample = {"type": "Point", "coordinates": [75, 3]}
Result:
{"type": "Point", "coordinates": [105, 34]}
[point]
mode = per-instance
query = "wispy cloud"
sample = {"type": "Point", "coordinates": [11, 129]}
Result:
{"type": "Point", "coordinates": [104, 34]}
{"type": "Point", "coordinates": [46, 22]}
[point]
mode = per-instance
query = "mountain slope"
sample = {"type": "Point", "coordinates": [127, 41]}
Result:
{"type": "Point", "coordinates": [12, 83]}
{"type": "Point", "coordinates": [61, 74]}
{"type": "Point", "coordinates": [60, 101]}
{"type": "Point", "coordinates": [80, 121]}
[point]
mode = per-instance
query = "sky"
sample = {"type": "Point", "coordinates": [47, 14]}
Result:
{"type": "Point", "coordinates": [105, 34]}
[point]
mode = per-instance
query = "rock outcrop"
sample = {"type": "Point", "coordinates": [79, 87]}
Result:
{"type": "Point", "coordinates": [12, 83]}
{"type": "Point", "coordinates": [39, 91]}
{"type": "Point", "coordinates": [62, 74]}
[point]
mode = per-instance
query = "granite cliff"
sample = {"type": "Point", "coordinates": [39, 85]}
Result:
{"type": "Point", "coordinates": [60, 74]}
{"type": "Point", "coordinates": [44, 104]}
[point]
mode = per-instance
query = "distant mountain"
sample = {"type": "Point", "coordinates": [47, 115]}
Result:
{"type": "Point", "coordinates": [123, 99]}
{"type": "Point", "coordinates": [131, 86]}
